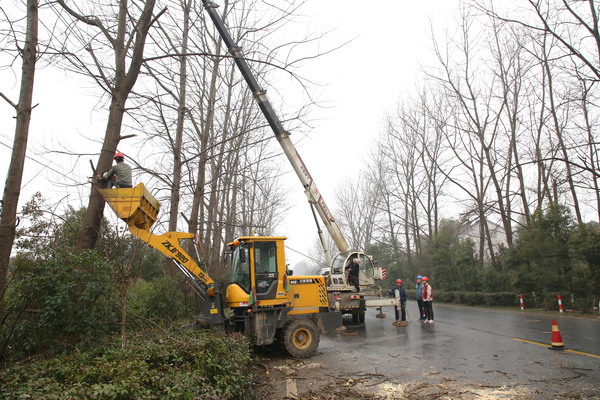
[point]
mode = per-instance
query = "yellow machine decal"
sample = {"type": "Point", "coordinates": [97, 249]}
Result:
{"type": "Point", "coordinates": [176, 253]}
{"type": "Point", "coordinates": [323, 298]}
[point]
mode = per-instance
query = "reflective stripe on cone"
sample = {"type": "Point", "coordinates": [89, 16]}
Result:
{"type": "Point", "coordinates": [557, 342]}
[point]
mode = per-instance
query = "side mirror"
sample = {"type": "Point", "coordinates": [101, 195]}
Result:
{"type": "Point", "coordinates": [243, 258]}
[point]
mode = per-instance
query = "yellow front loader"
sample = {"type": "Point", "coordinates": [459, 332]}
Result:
{"type": "Point", "coordinates": [264, 299]}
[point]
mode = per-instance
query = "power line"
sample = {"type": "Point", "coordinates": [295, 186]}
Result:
{"type": "Point", "coordinates": [305, 255]}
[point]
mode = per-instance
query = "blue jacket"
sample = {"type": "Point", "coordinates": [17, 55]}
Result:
{"type": "Point", "coordinates": [419, 288]}
{"type": "Point", "coordinates": [402, 293]}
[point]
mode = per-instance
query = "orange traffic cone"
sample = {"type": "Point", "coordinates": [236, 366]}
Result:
{"type": "Point", "coordinates": [557, 342]}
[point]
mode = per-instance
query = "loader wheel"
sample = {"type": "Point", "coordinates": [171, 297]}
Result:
{"type": "Point", "coordinates": [301, 338]}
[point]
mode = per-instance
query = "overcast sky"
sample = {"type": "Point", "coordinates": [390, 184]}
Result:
{"type": "Point", "coordinates": [389, 41]}
{"type": "Point", "coordinates": [363, 80]}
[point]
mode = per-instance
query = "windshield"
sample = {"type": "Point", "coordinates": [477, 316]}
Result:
{"type": "Point", "coordinates": [366, 265]}
{"type": "Point", "coordinates": [240, 271]}
{"type": "Point", "coordinates": [337, 266]}
{"type": "Point", "coordinates": [341, 261]}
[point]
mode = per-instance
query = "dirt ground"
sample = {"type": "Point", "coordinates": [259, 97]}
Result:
{"type": "Point", "coordinates": [280, 378]}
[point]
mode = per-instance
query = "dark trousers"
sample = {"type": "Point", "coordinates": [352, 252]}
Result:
{"type": "Point", "coordinates": [353, 280]}
{"type": "Point", "coordinates": [428, 306]}
{"type": "Point", "coordinates": [113, 183]}
{"type": "Point", "coordinates": [421, 310]}
{"type": "Point", "coordinates": [402, 310]}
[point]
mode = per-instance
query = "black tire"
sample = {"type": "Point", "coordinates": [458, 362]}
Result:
{"type": "Point", "coordinates": [301, 338]}
{"type": "Point", "coordinates": [354, 318]}
{"type": "Point", "coordinates": [361, 317]}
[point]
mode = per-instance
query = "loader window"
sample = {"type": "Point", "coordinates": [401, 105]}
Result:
{"type": "Point", "coordinates": [265, 269]}
{"type": "Point", "coordinates": [240, 268]}
{"type": "Point", "coordinates": [265, 259]}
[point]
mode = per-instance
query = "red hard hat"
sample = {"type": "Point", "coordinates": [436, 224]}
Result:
{"type": "Point", "coordinates": [425, 278]}
{"type": "Point", "coordinates": [119, 154]}
{"type": "Point", "coordinates": [399, 280]}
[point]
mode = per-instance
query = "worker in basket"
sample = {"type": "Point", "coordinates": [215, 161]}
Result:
{"type": "Point", "coordinates": [119, 176]}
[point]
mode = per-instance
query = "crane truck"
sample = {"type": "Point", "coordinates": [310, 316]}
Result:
{"type": "Point", "coordinates": [262, 298]}
{"type": "Point", "coordinates": [340, 292]}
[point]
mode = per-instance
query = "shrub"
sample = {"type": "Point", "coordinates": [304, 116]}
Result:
{"type": "Point", "coordinates": [60, 299]}
{"type": "Point", "coordinates": [161, 299]}
{"type": "Point", "coordinates": [195, 365]}
{"type": "Point", "coordinates": [549, 301]}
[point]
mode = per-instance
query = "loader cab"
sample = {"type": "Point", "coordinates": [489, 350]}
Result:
{"type": "Point", "coordinates": [257, 272]}
{"type": "Point", "coordinates": [343, 260]}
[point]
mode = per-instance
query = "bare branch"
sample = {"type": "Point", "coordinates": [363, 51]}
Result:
{"type": "Point", "coordinates": [93, 21]}
{"type": "Point", "coordinates": [8, 100]}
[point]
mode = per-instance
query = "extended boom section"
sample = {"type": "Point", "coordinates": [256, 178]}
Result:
{"type": "Point", "coordinates": [339, 266]}
{"type": "Point", "coordinates": [310, 188]}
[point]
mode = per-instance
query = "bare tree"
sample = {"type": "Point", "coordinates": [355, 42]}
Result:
{"type": "Point", "coordinates": [181, 111]}
{"type": "Point", "coordinates": [236, 186]}
{"type": "Point", "coordinates": [433, 109]}
{"type": "Point", "coordinates": [575, 25]}
{"type": "Point", "coordinates": [125, 39]}
{"type": "Point", "coordinates": [398, 150]}
{"type": "Point", "coordinates": [23, 108]}
{"type": "Point", "coordinates": [359, 202]}
{"type": "Point", "coordinates": [559, 129]}
{"type": "Point", "coordinates": [592, 147]}
{"type": "Point", "coordinates": [568, 41]}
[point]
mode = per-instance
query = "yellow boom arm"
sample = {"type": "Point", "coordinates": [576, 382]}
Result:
{"type": "Point", "coordinates": [139, 209]}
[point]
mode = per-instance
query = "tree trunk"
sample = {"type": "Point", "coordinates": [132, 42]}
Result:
{"type": "Point", "coordinates": [175, 189]}
{"type": "Point", "coordinates": [12, 186]}
{"type": "Point", "coordinates": [125, 48]}
{"type": "Point", "coordinates": [90, 226]}
{"type": "Point", "coordinates": [197, 212]}
{"type": "Point", "coordinates": [592, 146]}
{"type": "Point", "coordinates": [409, 258]}
{"type": "Point", "coordinates": [561, 143]}
{"type": "Point", "coordinates": [123, 303]}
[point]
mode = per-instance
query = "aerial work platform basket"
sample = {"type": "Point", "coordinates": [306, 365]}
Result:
{"type": "Point", "coordinates": [136, 206]}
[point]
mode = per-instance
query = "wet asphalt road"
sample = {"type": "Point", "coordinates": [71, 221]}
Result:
{"type": "Point", "coordinates": [474, 345]}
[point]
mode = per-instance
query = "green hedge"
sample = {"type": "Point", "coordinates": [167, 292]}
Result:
{"type": "Point", "coordinates": [544, 301]}
{"type": "Point", "coordinates": [549, 301]}
{"type": "Point", "coordinates": [477, 298]}
{"type": "Point", "coordinates": [473, 298]}
{"type": "Point", "coordinates": [191, 365]}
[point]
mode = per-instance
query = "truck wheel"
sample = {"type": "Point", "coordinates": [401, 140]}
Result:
{"type": "Point", "coordinates": [301, 338]}
{"type": "Point", "coordinates": [361, 317]}
{"type": "Point", "coordinates": [354, 318]}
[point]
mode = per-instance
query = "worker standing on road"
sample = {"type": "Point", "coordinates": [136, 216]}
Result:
{"type": "Point", "coordinates": [402, 295]}
{"type": "Point", "coordinates": [419, 296]}
{"type": "Point", "coordinates": [119, 175]}
{"type": "Point", "coordinates": [428, 300]}
{"type": "Point", "coordinates": [353, 269]}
